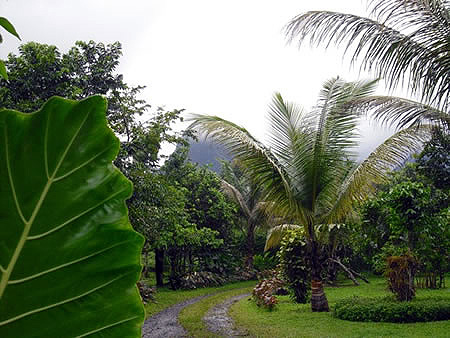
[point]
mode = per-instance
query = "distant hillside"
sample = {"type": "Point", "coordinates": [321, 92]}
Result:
{"type": "Point", "coordinates": [206, 152]}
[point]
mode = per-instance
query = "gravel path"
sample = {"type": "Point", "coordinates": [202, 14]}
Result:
{"type": "Point", "coordinates": [219, 322]}
{"type": "Point", "coordinates": [165, 323]}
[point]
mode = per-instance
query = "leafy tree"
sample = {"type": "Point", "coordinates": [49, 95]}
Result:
{"type": "Point", "coordinates": [41, 71]}
{"type": "Point", "coordinates": [410, 213]}
{"type": "Point", "coordinates": [206, 205]}
{"type": "Point", "coordinates": [304, 172]}
{"type": "Point", "coordinates": [402, 42]}
{"type": "Point", "coordinates": [157, 210]}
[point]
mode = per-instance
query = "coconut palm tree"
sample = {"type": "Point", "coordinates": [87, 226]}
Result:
{"type": "Point", "coordinates": [405, 42]}
{"type": "Point", "coordinates": [252, 209]}
{"type": "Point", "coordinates": [304, 170]}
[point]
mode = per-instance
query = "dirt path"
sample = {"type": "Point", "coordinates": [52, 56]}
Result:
{"type": "Point", "coordinates": [219, 322]}
{"type": "Point", "coordinates": [165, 323]}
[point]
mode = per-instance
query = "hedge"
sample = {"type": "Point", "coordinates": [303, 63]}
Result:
{"type": "Point", "coordinates": [388, 309]}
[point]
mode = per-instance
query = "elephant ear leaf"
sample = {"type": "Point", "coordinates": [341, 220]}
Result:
{"type": "Point", "coordinates": [69, 259]}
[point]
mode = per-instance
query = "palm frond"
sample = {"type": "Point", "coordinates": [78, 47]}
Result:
{"type": "Point", "coordinates": [276, 234]}
{"type": "Point", "coordinates": [236, 196]}
{"type": "Point", "coordinates": [361, 182]}
{"type": "Point", "coordinates": [407, 42]}
{"type": "Point", "coordinates": [255, 158]}
{"type": "Point", "coordinates": [400, 112]}
{"type": "Point", "coordinates": [335, 138]}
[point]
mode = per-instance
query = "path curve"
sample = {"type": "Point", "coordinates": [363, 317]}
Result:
{"type": "Point", "coordinates": [165, 324]}
{"type": "Point", "coordinates": [219, 322]}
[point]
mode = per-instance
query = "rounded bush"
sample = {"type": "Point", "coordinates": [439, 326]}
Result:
{"type": "Point", "coordinates": [359, 309]}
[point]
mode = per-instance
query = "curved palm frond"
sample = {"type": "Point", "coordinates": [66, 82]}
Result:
{"type": "Point", "coordinates": [406, 42]}
{"type": "Point", "coordinates": [400, 112]}
{"type": "Point", "coordinates": [256, 159]}
{"type": "Point", "coordinates": [276, 234]}
{"type": "Point", "coordinates": [236, 196]}
{"type": "Point", "coordinates": [360, 183]}
{"type": "Point", "coordinates": [335, 140]}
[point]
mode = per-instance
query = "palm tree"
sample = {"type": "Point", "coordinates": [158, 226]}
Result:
{"type": "Point", "coordinates": [252, 208]}
{"type": "Point", "coordinates": [304, 171]}
{"type": "Point", "coordinates": [405, 42]}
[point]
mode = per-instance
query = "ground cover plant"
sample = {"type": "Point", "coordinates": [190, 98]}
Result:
{"type": "Point", "coordinates": [289, 319]}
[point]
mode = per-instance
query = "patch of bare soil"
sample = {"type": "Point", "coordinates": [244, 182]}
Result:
{"type": "Point", "coordinates": [219, 322]}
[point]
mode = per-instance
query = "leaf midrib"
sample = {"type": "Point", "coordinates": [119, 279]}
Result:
{"type": "Point", "coordinates": [28, 224]}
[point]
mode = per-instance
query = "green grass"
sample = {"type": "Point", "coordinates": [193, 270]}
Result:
{"type": "Point", "coordinates": [165, 297]}
{"type": "Point", "coordinates": [289, 319]}
{"type": "Point", "coordinates": [191, 317]}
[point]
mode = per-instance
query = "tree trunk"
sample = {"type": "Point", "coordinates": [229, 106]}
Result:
{"type": "Point", "coordinates": [145, 270]}
{"type": "Point", "coordinates": [250, 246]}
{"type": "Point", "coordinates": [159, 266]}
{"type": "Point", "coordinates": [319, 302]}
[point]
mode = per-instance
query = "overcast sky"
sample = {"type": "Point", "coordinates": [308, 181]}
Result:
{"type": "Point", "coordinates": [225, 58]}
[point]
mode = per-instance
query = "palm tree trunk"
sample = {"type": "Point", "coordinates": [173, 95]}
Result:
{"type": "Point", "coordinates": [250, 246]}
{"type": "Point", "coordinates": [319, 302]}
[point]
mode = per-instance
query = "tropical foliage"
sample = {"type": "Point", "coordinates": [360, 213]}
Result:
{"type": "Point", "coordinates": [66, 243]}
{"type": "Point", "coordinates": [307, 172]}
{"type": "Point", "coordinates": [295, 268]}
{"type": "Point", "coordinates": [245, 193]}
{"type": "Point", "coordinates": [410, 213]}
{"type": "Point", "coordinates": [402, 42]}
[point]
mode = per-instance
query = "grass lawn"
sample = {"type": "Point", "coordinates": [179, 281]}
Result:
{"type": "Point", "coordinates": [289, 319]}
{"type": "Point", "coordinates": [191, 317]}
{"type": "Point", "coordinates": [166, 297]}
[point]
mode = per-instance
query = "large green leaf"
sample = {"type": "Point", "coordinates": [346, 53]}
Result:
{"type": "Point", "coordinates": [69, 259]}
{"type": "Point", "coordinates": [4, 22]}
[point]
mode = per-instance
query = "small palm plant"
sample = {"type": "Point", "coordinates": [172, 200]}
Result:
{"type": "Point", "coordinates": [306, 173]}
{"type": "Point", "coordinates": [247, 196]}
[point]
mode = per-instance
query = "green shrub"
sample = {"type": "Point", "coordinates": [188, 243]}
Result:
{"type": "Point", "coordinates": [294, 267]}
{"type": "Point", "coordinates": [267, 261]}
{"type": "Point", "coordinates": [387, 309]}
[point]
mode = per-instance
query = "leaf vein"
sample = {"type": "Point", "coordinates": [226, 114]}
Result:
{"type": "Point", "coordinates": [80, 166]}
{"type": "Point", "coordinates": [30, 238]}
{"type": "Point", "coordinates": [17, 281]}
{"type": "Point", "coordinates": [68, 300]}
{"type": "Point", "coordinates": [107, 326]}
{"type": "Point", "coordinates": [11, 181]}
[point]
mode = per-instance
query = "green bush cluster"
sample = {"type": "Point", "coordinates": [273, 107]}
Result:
{"type": "Point", "coordinates": [294, 265]}
{"type": "Point", "coordinates": [267, 261]}
{"type": "Point", "coordinates": [387, 309]}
